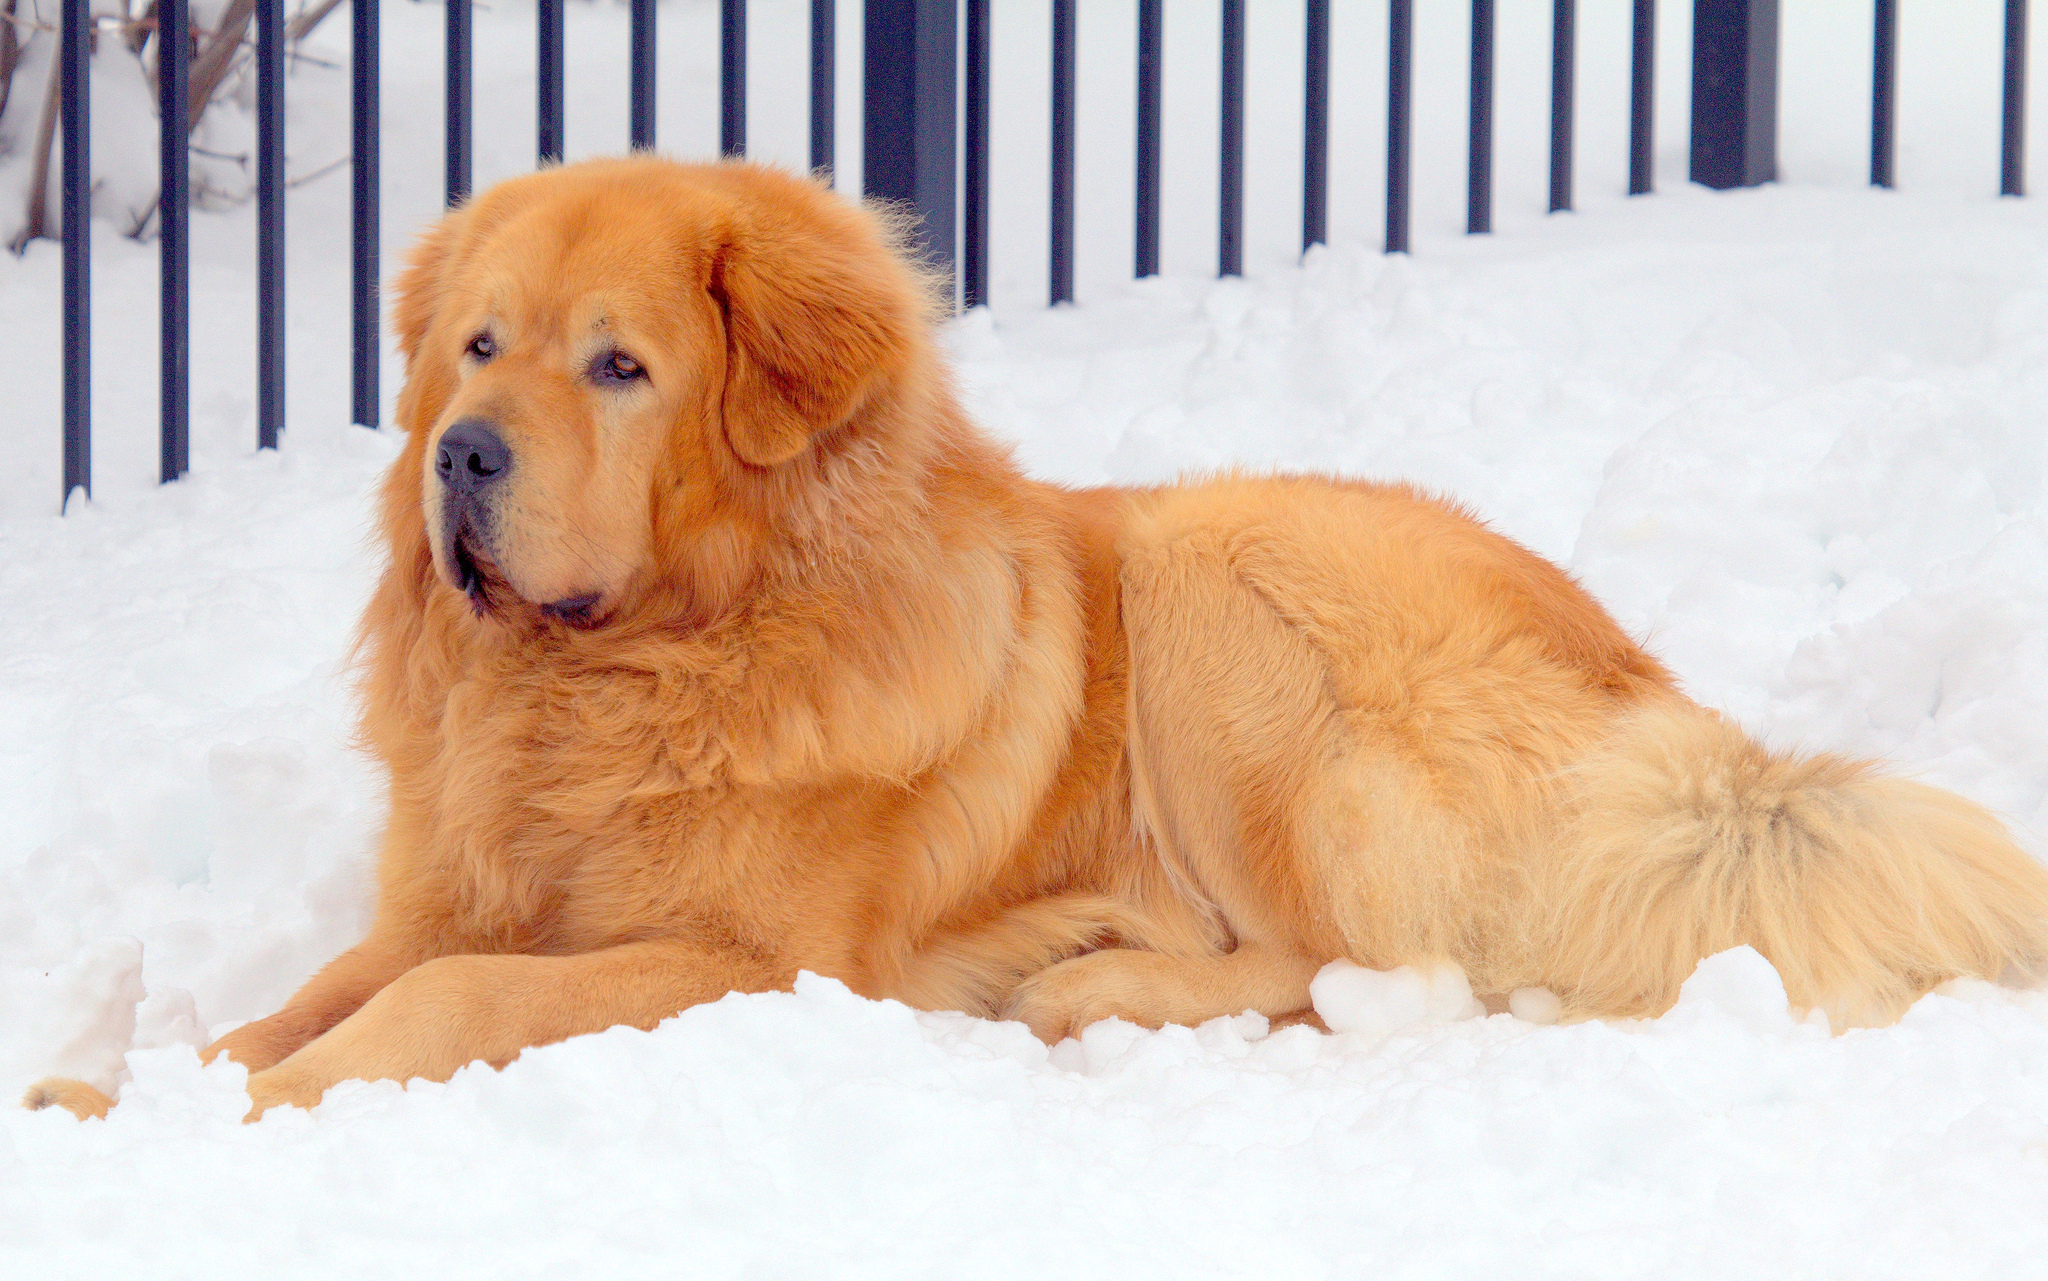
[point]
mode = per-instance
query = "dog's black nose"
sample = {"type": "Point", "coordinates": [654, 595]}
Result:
{"type": "Point", "coordinates": [472, 456]}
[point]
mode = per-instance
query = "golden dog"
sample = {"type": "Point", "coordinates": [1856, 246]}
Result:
{"type": "Point", "coordinates": [717, 644]}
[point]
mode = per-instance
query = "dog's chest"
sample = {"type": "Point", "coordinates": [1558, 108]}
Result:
{"type": "Point", "coordinates": [546, 801]}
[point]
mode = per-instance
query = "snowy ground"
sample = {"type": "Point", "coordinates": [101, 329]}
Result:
{"type": "Point", "coordinates": [1793, 436]}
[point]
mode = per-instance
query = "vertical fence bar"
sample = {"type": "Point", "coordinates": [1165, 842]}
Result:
{"type": "Point", "coordinates": [364, 212]}
{"type": "Point", "coordinates": [1734, 92]}
{"type": "Point", "coordinates": [640, 128]}
{"type": "Point", "coordinates": [1884, 78]}
{"type": "Point", "coordinates": [269, 222]}
{"type": "Point", "coordinates": [72, 43]}
{"type": "Point", "coordinates": [1564, 49]}
{"type": "Point", "coordinates": [174, 212]}
{"type": "Point", "coordinates": [974, 235]}
{"type": "Point", "coordinates": [1230, 185]}
{"type": "Point", "coordinates": [1061, 257]}
{"type": "Point", "coordinates": [1315, 127]}
{"type": "Point", "coordinates": [824, 76]}
{"type": "Point", "coordinates": [2013, 166]}
{"type": "Point", "coordinates": [548, 81]}
{"type": "Point", "coordinates": [1151, 41]}
{"type": "Point", "coordinates": [456, 184]}
{"type": "Point", "coordinates": [910, 153]}
{"type": "Point", "coordinates": [1479, 157]}
{"type": "Point", "coordinates": [1642, 100]}
{"type": "Point", "coordinates": [1400, 70]}
{"type": "Point", "coordinates": [732, 77]}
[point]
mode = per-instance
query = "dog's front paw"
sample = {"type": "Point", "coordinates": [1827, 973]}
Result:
{"type": "Point", "coordinates": [259, 1045]}
{"type": "Point", "coordinates": [75, 1097]}
{"type": "Point", "coordinates": [282, 1087]}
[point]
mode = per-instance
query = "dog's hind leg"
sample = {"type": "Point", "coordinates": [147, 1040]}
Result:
{"type": "Point", "coordinates": [1231, 725]}
{"type": "Point", "coordinates": [1153, 988]}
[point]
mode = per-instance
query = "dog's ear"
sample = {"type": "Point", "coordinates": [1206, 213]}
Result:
{"type": "Point", "coordinates": [421, 289]}
{"type": "Point", "coordinates": [422, 285]}
{"type": "Point", "coordinates": [820, 313]}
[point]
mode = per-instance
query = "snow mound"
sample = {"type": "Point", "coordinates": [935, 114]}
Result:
{"type": "Point", "coordinates": [1375, 1004]}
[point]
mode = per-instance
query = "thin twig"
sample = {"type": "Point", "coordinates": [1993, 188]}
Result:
{"type": "Point", "coordinates": [248, 46]}
{"type": "Point", "coordinates": [321, 172]}
{"type": "Point", "coordinates": [125, 26]}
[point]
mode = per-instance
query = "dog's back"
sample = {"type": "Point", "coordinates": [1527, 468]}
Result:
{"type": "Point", "coordinates": [1378, 730]}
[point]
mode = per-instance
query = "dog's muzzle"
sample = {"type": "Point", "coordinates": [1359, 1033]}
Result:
{"type": "Point", "coordinates": [470, 461]}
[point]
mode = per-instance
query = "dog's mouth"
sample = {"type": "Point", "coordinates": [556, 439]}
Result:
{"type": "Point", "coordinates": [468, 577]}
{"type": "Point", "coordinates": [576, 611]}
{"type": "Point", "coordinates": [470, 566]}
{"type": "Point", "coordinates": [475, 576]}
{"type": "Point", "coordinates": [478, 577]}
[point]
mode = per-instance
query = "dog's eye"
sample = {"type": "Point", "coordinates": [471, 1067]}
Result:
{"type": "Point", "coordinates": [617, 367]}
{"type": "Point", "coordinates": [483, 347]}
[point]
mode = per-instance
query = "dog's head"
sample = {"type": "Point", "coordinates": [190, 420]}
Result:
{"type": "Point", "coordinates": [619, 371]}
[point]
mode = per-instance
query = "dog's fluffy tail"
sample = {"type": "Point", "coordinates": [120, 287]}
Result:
{"type": "Point", "coordinates": [1685, 837]}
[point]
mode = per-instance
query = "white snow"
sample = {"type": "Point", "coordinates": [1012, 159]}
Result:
{"type": "Point", "coordinates": [1793, 436]}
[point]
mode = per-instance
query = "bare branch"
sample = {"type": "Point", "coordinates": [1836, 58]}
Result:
{"type": "Point", "coordinates": [14, 19]}
{"type": "Point", "coordinates": [302, 25]}
{"type": "Point", "coordinates": [10, 53]}
{"type": "Point", "coordinates": [39, 183]}
{"type": "Point", "coordinates": [211, 67]}
{"type": "Point", "coordinates": [215, 62]}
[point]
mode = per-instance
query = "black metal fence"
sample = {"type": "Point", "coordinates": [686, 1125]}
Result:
{"type": "Point", "coordinates": [913, 153]}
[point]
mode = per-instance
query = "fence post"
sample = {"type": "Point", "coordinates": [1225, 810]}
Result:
{"type": "Point", "coordinates": [732, 78]}
{"type": "Point", "coordinates": [1734, 92]}
{"type": "Point", "coordinates": [640, 57]}
{"type": "Point", "coordinates": [72, 38]}
{"type": "Point", "coordinates": [1400, 72]}
{"type": "Point", "coordinates": [363, 213]}
{"type": "Point", "coordinates": [1060, 286]}
{"type": "Point", "coordinates": [548, 80]}
{"type": "Point", "coordinates": [2012, 148]}
{"type": "Point", "coordinates": [1151, 39]}
{"type": "Point", "coordinates": [909, 150]}
{"type": "Point", "coordinates": [174, 212]}
{"type": "Point", "coordinates": [1230, 179]}
{"type": "Point", "coordinates": [1564, 58]}
{"type": "Point", "coordinates": [269, 222]}
{"type": "Point", "coordinates": [1642, 98]}
{"type": "Point", "coordinates": [1315, 127]}
{"type": "Point", "coordinates": [456, 79]}
{"type": "Point", "coordinates": [824, 97]}
{"type": "Point", "coordinates": [1884, 79]}
{"type": "Point", "coordinates": [974, 202]}
{"type": "Point", "coordinates": [1479, 125]}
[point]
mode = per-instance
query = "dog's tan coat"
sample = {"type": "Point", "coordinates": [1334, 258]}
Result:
{"type": "Point", "coordinates": [860, 698]}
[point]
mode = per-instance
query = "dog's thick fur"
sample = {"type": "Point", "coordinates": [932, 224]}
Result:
{"type": "Point", "coordinates": [763, 658]}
